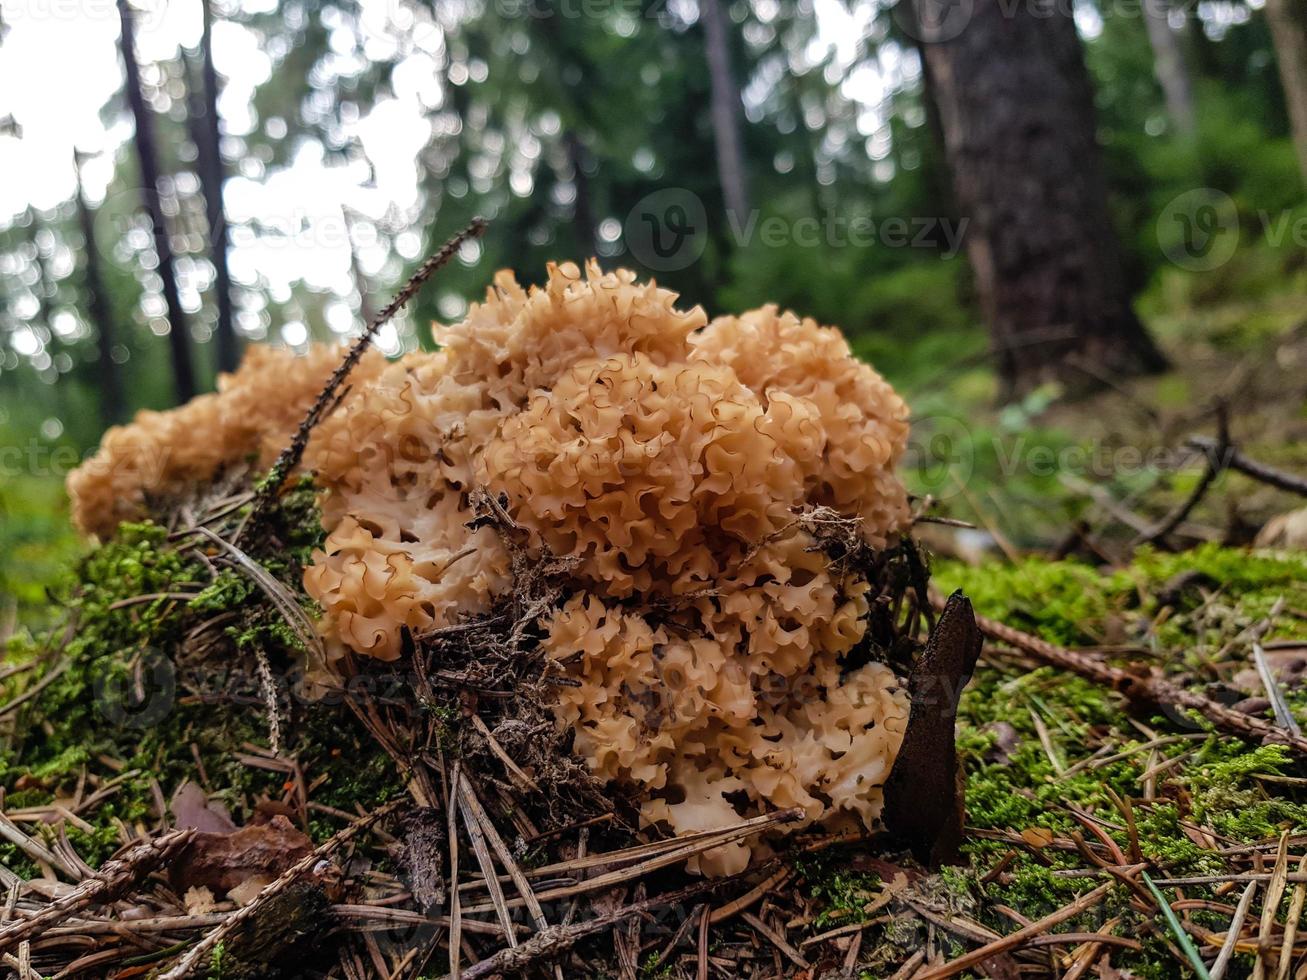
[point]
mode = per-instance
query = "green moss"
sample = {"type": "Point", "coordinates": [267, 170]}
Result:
{"type": "Point", "coordinates": [1228, 798]}
{"type": "Point", "coordinates": [841, 894]}
{"type": "Point", "coordinates": [119, 643]}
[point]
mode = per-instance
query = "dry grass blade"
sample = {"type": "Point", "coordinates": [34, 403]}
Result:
{"type": "Point", "coordinates": [476, 834]}
{"type": "Point", "coordinates": [455, 909]}
{"type": "Point", "coordinates": [1046, 743]}
{"type": "Point", "coordinates": [701, 973]}
{"type": "Point", "coordinates": [286, 604]}
{"type": "Point", "coordinates": [1291, 925]}
{"type": "Point", "coordinates": [469, 798]}
{"type": "Point", "coordinates": [637, 852]}
{"type": "Point", "coordinates": [1232, 937]}
{"type": "Point", "coordinates": [674, 855]}
{"type": "Point", "coordinates": [1270, 904]}
{"type": "Point", "coordinates": [1283, 713]}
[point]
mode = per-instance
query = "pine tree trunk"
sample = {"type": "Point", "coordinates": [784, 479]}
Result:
{"type": "Point", "coordinates": [211, 179]}
{"type": "Point", "coordinates": [110, 382]}
{"type": "Point", "coordinates": [583, 209]}
{"type": "Point", "coordinates": [1170, 67]}
{"type": "Point", "coordinates": [1016, 107]}
{"type": "Point", "coordinates": [726, 108]}
{"type": "Point", "coordinates": [179, 338]}
{"type": "Point", "coordinates": [1288, 23]}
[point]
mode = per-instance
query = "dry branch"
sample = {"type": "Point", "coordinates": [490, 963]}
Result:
{"type": "Point", "coordinates": [1236, 460]}
{"type": "Point", "coordinates": [1018, 938]}
{"type": "Point", "coordinates": [1218, 455]}
{"type": "Point", "coordinates": [327, 398]}
{"type": "Point", "coordinates": [110, 881]}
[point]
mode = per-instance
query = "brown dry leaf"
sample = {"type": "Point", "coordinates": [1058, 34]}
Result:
{"type": "Point", "coordinates": [249, 889]}
{"type": "Point", "coordinates": [222, 861]}
{"type": "Point", "coordinates": [192, 809]}
{"type": "Point", "coordinates": [923, 795]}
{"type": "Point", "coordinates": [199, 901]}
{"type": "Point", "coordinates": [1037, 837]}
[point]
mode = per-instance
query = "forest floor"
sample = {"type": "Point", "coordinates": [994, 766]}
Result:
{"type": "Point", "coordinates": [1105, 835]}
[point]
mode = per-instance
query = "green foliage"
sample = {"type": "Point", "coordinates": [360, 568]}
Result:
{"type": "Point", "coordinates": [841, 893]}
{"type": "Point", "coordinates": [36, 544]}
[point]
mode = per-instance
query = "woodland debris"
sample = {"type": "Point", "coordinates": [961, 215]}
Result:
{"type": "Point", "coordinates": [923, 803]}
{"type": "Point", "coordinates": [1217, 459]}
{"type": "Point", "coordinates": [223, 861]}
{"type": "Point", "coordinates": [197, 953]}
{"type": "Point", "coordinates": [1153, 691]}
{"type": "Point", "coordinates": [1237, 460]}
{"type": "Point", "coordinates": [111, 881]}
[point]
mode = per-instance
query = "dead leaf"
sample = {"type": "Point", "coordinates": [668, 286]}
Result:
{"type": "Point", "coordinates": [923, 796]}
{"type": "Point", "coordinates": [222, 861]}
{"type": "Point", "coordinates": [1037, 837]}
{"type": "Point", "coordinates": [249, 889]}
{"type": "Point", "coordinates": [199, 901]}
{"type": "Point", "coordinates": [191, 809]}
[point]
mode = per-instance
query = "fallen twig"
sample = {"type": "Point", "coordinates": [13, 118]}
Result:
{"type": "Point", "coordinates": [1154, 691]}
{"type": "Point", "coordinates": [1018, 938]}
{"type": "Point", "coordinates": [1236, 460]}
{"type": "Point", "coordinates": [1218, 456]}
{"type": "Point", "coordinates": [327, 400]}
{"type": "Point", "coordinates": [110, 881]}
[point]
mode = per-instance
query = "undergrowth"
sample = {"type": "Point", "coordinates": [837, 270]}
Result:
{"type": "Point", "coordinates": [1023, 790]}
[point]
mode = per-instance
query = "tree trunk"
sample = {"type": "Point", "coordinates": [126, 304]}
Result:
{"type": "Point", "coordinates": [1170, 67]}
{"type": "Point", "coordinates": [569, 64]}
{"type": "Point", "coordinates": [211, 179]}
{"type": "Point", "coordinates": [110, 383]}
{"type": "Point", "coordinates": [726, 107]}
{"type": "Point", "coordinates": [1288, 23]}
{"type": "Point", "coordinates": [583, 209]}
{"type": "Point", "coordinates": [179, 338]}
{"type": "Point", "coordinates": [1017, 112]}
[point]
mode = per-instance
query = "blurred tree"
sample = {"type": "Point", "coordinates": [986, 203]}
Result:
{"type": "Point", "coordinates": [112, 407]}
{"type": "Point", "coordinates": [148, 162]}
{"type": "Point", "coordinates": [1288, 21]}
{"type": "Point", "coordinates": [209, 151]}
{"type": "Point", "coordinates": [726, 108]}
{"type": "Point", "coordinates": [1017, 111]}
{"type": "Point", "coordinates": [1170, 66]}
